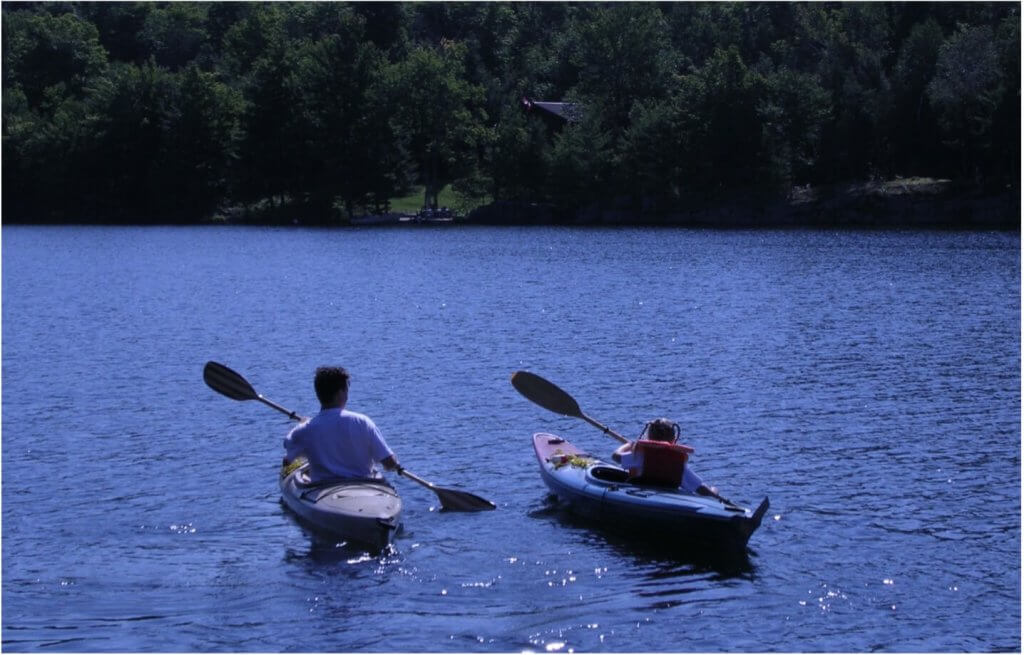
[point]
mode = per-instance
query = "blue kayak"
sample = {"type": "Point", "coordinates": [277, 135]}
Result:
{"type": "Point", "coordinates": [601, 491]}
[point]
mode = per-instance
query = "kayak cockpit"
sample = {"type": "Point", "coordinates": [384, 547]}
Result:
{"type": "Point", "coordinates": [609, 474]}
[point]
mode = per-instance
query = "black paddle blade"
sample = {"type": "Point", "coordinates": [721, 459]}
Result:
{"type": "Point", "coordinates": [545, 394]}
{"type": "Point", "coordinates": [223, 380]}
{"type": "Point", "coordinates": [462, 501]}
{"type": "Point", "coordinates": [452, 500]}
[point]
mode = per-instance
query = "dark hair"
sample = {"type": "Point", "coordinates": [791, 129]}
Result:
{"type": "Point", "coordinates": [329, 380]}
{"type": "Point", "coordinates": [661, 429]}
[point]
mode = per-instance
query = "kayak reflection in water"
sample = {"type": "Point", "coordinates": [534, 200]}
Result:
{"type": "Point", "coordinates": [656, 458]}
{"type": "Point", "coordinates": [337, 442]}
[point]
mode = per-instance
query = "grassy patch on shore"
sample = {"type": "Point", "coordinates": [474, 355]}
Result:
{"type": "Point", "coordinates": [413, 202]}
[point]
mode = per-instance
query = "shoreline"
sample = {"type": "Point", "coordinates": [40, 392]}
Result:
{"type": "Point", "coordinates": [897, 204]}
{"type": "Point", "coordinates": [901, 203]}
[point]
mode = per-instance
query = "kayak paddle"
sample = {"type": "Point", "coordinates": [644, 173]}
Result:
{"type": "Point", "coordinates": [549, 396]}
{"type": "Point", "coordinates": [552, 398]}
{"type": "Point", "coordinates": [225, 381]}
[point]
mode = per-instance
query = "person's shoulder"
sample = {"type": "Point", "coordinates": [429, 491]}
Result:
{"type": "Point", "coordinates": [301, 428]}
{"type": "Point", "coordinates": [356, 417]}
{"type": "Point", "coordinates": [364, 422]}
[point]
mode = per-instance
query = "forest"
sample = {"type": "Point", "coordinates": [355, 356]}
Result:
{"type": "Point", "coordinates": [177, 112]}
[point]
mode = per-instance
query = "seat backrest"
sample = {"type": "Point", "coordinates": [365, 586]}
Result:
{"type": "Point", "coordinates": [662, 463]}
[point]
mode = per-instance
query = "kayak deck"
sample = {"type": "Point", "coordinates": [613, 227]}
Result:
{"type": "Point", "coordinates": [367, 512]}
{"type": "Point", "coordinates": [602, 492]}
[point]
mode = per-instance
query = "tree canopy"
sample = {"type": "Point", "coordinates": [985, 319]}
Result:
{"type": "Point", "coordinates": [165, 111]}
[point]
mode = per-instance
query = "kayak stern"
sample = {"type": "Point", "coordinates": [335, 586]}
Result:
{"type": "Point", "coordinates": [366, 512]}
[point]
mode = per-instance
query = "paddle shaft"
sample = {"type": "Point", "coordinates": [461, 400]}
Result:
{"type": "Point", "coordinates": [416, 478]}
{"type": "Point", "coordinates": [604, 428]}
{"type": "Point", "coordinates": [270, 403]}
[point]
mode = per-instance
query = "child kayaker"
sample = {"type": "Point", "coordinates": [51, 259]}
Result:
{"type": "Point", "coordinates": [337, 442]}
{"type": "Point", "coordinates": [662, 461]}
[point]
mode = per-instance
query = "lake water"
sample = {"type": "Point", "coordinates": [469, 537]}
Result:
{"type": "Point", "coordinates": [868, 383]}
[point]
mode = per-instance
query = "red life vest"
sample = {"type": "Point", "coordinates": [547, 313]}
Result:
{"type": "Point", "coordinates": [659, 462]}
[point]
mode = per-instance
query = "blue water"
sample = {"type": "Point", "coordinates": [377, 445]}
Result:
{"type": "Point", "coordinates": [869, 383]}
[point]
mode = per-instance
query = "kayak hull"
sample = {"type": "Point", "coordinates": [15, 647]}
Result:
{"type": "Point", "coordinates": [363, 512]}
{"type": "Point", "coordinates": [599, 491]}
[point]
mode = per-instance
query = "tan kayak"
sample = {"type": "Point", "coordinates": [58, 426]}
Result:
{"type": "Point", "coordinates": [363, 512]}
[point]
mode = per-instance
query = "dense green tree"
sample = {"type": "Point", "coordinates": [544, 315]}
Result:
{"type": "Point", "coordinates": [851, 44]}
{"type": "Point", "coordinates": [624, 56]}
{"type": "Point", "coordinates": [200, 128]}
{"type": "Point", "coordinates": [516, 159]}
{"type": "Point", "coordinates": [387, 170]}
{"type": "Point", "coordinates": [120, 26]}
{"type": "Point", "coordinates": [580, 163]}
{"type": "Point", "coordinates": [166, 111]}
{"type": "Point", "coordinates": [256, 54]}
{"type": "Point", "coordinates": [49, 61]}
{"type": "Point", "coordinates": [334, 77]}
{"type": "Point", "coordinates": [50, 56]}
{"type": "Point", "coordinates": [127, 112]}
{"type": "Point", "coordinates": [966, 92]}
{"type": "Point", "coordinates": [1003, 169]}
{"type": "Point", "coordinates": [723, 126]}
{"type": "Point", "coordinates": [175, 33]}
{"type": "Point", "coordinates": [538, 51]}
{"type": "Point", "coordinates": [42, 156]}
{"type": "Point", "coordinates": [441, 114]}
{"type": "Point", "coordinates": [696, 29]}
{"type": "Point", "coordinates": [793, 110]}
{"type": "Point", "coordinates": [914, 130]}
{"type": "Point", "coordinates": [655, 146]}
{"type": "Point", "coordinates": [386, 24]}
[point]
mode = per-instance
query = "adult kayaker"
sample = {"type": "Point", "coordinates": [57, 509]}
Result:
{"type": "Point", "coordinates": [670, 455]}
{"type": "Point", "coordinates": [338, 443]}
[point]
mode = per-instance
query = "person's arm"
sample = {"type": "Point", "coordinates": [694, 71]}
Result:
{"type": "Point", "coordinates": [622, 450]}
{"type": "Point", "coordinates": [379, 448]}
{"type": "Point", "coordinates": [693, 482]}
{"type": "Point", "coordinates": [291, 447]}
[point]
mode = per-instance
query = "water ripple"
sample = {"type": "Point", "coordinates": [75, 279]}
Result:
{"type": "Point", "coordinates": [869, 383]}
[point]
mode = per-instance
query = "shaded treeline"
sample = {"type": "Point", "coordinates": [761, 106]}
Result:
{"type": "Point", "coordinates": [143, 112]}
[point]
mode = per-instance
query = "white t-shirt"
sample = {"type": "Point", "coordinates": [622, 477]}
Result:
{"type": "Point", "coordinates": [691, 481]}
{"type": "Point", "coordinates": [338, 444]}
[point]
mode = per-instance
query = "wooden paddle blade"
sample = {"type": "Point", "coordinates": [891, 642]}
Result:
{"type": "Point", "coordinates": [462, 501]}
{"type": "Point", "coordinates": [223, 380]}
{"type": "Point", "coordinates": [545, 394]}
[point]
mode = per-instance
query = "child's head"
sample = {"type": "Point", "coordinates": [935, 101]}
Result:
{"type": "Point", "coordinates": [662, 429]}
